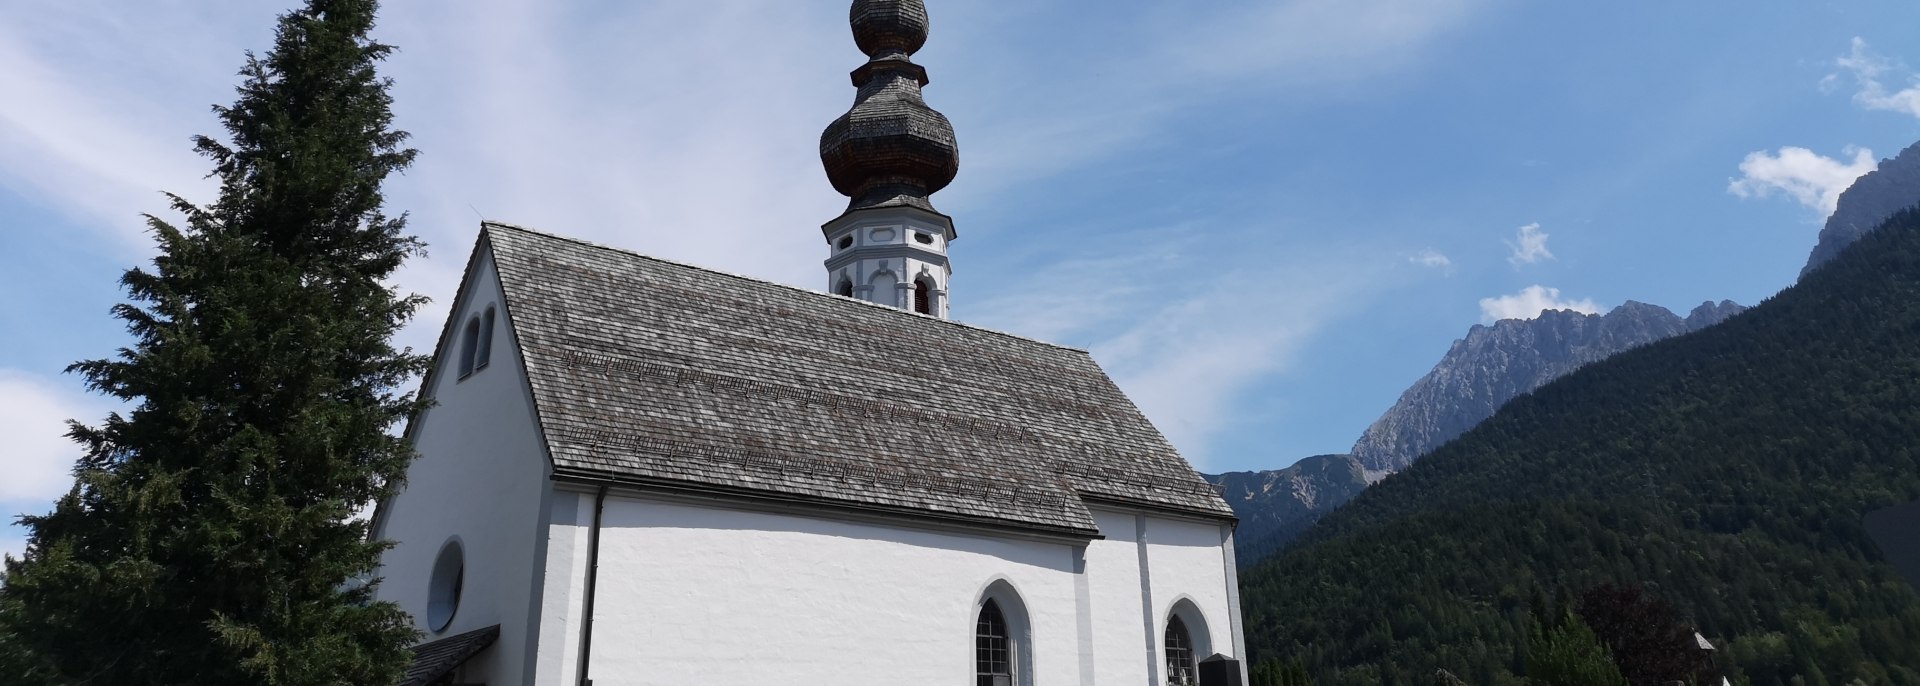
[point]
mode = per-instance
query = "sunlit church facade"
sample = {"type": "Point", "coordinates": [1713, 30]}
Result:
{"type": "Point", "coordinates": [643, 472]}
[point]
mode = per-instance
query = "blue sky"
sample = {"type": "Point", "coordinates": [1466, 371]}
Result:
{"type": "Point", "coordinates": [1265, 218]}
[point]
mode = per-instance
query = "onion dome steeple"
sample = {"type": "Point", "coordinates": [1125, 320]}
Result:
{"type": "Point", "coordinates": [888, 154]}
{"type": "Point", "coordinates": [891, 148]}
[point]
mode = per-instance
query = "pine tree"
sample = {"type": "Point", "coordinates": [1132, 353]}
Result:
{"type": "Point", "coordinates": [209, 537]}
{"type": "Point", "coordinates": [1276, 673]}
{"type": "Point", "coordinates": [1570, 654]}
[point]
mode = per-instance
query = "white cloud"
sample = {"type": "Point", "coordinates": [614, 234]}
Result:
{"type": "Point", "coordinates": [594, 126]}
{"type": "Point", "coordinates": [1529, 245]}
{"type": "Point", "coordinates": [1814, 180]}
{"type": "Point", "coordinates": [1178, 61]}
{"type": "Point", "coordinates": [1529, 303]}
{"type": "Point", "coordinates": [1186, 335]}
{"type": "Point", "coordinates": [1867, 69]}
{"type": "Point", "coordinates": [1431, 258]}
{"type": "Point", "coordinates": [38, 460]}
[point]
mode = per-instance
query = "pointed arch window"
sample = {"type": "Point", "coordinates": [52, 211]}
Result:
{"type": "Point", "coordinates": [484, 351]}
{"type": "Point", "coordinates": [922, 297]}
{"type": "Point", "coordinates": [1002, 637]}
{"type": "Point", "coordinates": [469, 346]}
{"type": "Point", "coordinates": [1181, 668]}
{"type": "Point", "coordinates": [476, 343]}
{"type": "Point", "coordinates": [992, 647]}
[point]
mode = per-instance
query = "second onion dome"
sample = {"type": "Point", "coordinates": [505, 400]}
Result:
{"type": "Point", "coordinates": [891, 149]}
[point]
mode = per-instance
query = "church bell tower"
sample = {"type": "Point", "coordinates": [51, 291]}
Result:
{"type": "Point", "coordinates": [888, 154]}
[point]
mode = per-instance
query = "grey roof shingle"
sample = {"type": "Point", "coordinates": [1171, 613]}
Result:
{"type": "Point", "coordinates": [650, 371]}
{"type": "Point", "coordinates": [434, 661]}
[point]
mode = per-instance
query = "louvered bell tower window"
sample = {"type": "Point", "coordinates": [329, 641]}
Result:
{"type": "Point", "coordinates": [1180, 666]}
{"type": "Point", "coordinates": [993, 658]}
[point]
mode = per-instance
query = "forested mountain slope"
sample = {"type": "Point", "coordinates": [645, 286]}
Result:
{"type": "Point", "coordinates": [1275, 505]}
{"type": "Point", "coordinates": [1729, 468]}
{"type": "Point", "coordinates": [1479, 373]}
{"type": "Point", "coordinates": [1494, 363]}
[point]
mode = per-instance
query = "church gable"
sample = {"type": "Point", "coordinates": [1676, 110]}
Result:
{"type": "Point", "coordinates": [467, 522]}
{"type": "Point", "coordinates": [669, 376]}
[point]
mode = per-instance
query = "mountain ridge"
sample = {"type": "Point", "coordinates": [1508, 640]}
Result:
{"type": "Point", "coordinates": [1892, 186]}
{"type": "Point", "coordinates": [1495, 363]}
{"type": "Point", "coordinates": [1491, 365]}
{"type": "Point", "coordinates": [1728, 472]}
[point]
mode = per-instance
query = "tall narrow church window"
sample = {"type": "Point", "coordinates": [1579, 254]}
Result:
{"type": "Point", "coordinates": [922, 297]}
{"type": "Point", "coordinates": [993, 656]}
{"type": "Point", "coordinates": [469, 346]}
{"type": "Point", "coordinates": [1180, 666]}
{"type": "Point", "coordinates": [484, 350]}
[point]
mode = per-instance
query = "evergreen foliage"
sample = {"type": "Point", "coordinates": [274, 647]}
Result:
{"type": "Point", "coordinates": [1274, 673]}
{"type": "Point", "coordinates": [209, 537]}
{"type": "Point", "coordinates": [1570, 654]}
{"type": "Point", "coordinates": [1648, 639]}
{"type": "Point", "coordinates": [1729, 469]}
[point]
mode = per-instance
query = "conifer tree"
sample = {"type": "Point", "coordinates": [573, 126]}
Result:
{"type": "Point", "coordinates": [1570, 654]}
{"type": "Point", "coordinates": [209, 537]}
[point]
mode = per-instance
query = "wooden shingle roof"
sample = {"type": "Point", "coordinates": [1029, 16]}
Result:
{"type": "Point", "coordinates": [661, 374]}
{"type": "Point", "coordinates": [434, 662]}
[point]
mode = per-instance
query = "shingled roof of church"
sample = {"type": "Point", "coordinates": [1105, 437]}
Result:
{"type": "Point", "coordinates": [660, 374]}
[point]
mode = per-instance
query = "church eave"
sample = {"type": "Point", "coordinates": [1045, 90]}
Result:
{"type": "Point", "coordinates": [1197, 514]}
{"type": "Point", "coordinates": [674, 489]}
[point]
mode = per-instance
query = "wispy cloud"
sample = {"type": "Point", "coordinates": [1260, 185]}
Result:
{"type": "Point", "coordinates": [1177, 61]}
{"type": "Point", "coordinates": [1431, 258]}
{"type": "Point", "coordinates": [1186, 333]}
{"type": "Point", "coordinates": [38, 461]}
{"type": "Point", "coordinates": [1867, 71]}
{"type": "Point", "coordinates": [1529, 245]}
{"type": "Point", "coordinates": [588, 120]}
{"type": "Point", "coordinates": [1530, 302]}
{"type": "Point", "coordinates": [1812, 179]}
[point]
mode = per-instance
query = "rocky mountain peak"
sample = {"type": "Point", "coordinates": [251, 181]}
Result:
{"type": "Point", "coordinates": [1870, 201]}
{"type": "Point", "coordinates": [1710, 313]}
{"type": "Point", "coordinates": [1494, 363]}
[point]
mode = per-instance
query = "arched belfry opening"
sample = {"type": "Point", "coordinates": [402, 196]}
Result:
{"type": "Point", "coordinates": [922, 297]}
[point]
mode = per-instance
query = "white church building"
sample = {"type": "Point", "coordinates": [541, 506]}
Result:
{"type": "Point", "coordinates": [643, 472]}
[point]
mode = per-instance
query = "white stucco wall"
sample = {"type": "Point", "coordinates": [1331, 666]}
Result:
{"type": "Point", "coordinates": [1186, 564]}
{"type": "Point", "coordinates": [697, 593]}
{"type": "Point", "coordinates": [481, 476]}
{"type": "Point", "coordinates": [1113, 581]}
{"type": "Point", "coordinates": [563, 598]}
{"type": "Point", "coordinates": [887, 277]}
{"type": "Point", "coordinates": [1179, 559]}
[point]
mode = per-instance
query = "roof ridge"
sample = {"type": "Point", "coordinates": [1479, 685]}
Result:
{"type": "Point", "coordinates": [490, 223]}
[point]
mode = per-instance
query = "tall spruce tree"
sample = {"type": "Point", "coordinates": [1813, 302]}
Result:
{"type": "Point", "coordinates": [209, 537]}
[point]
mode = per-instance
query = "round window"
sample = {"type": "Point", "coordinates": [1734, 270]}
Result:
{"type": "Point", "coordinates": [923, 238]}
{"type": "Point", "coordinates": [443, 591]}
{"type": "Point", "coordinates": [846, 242]}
